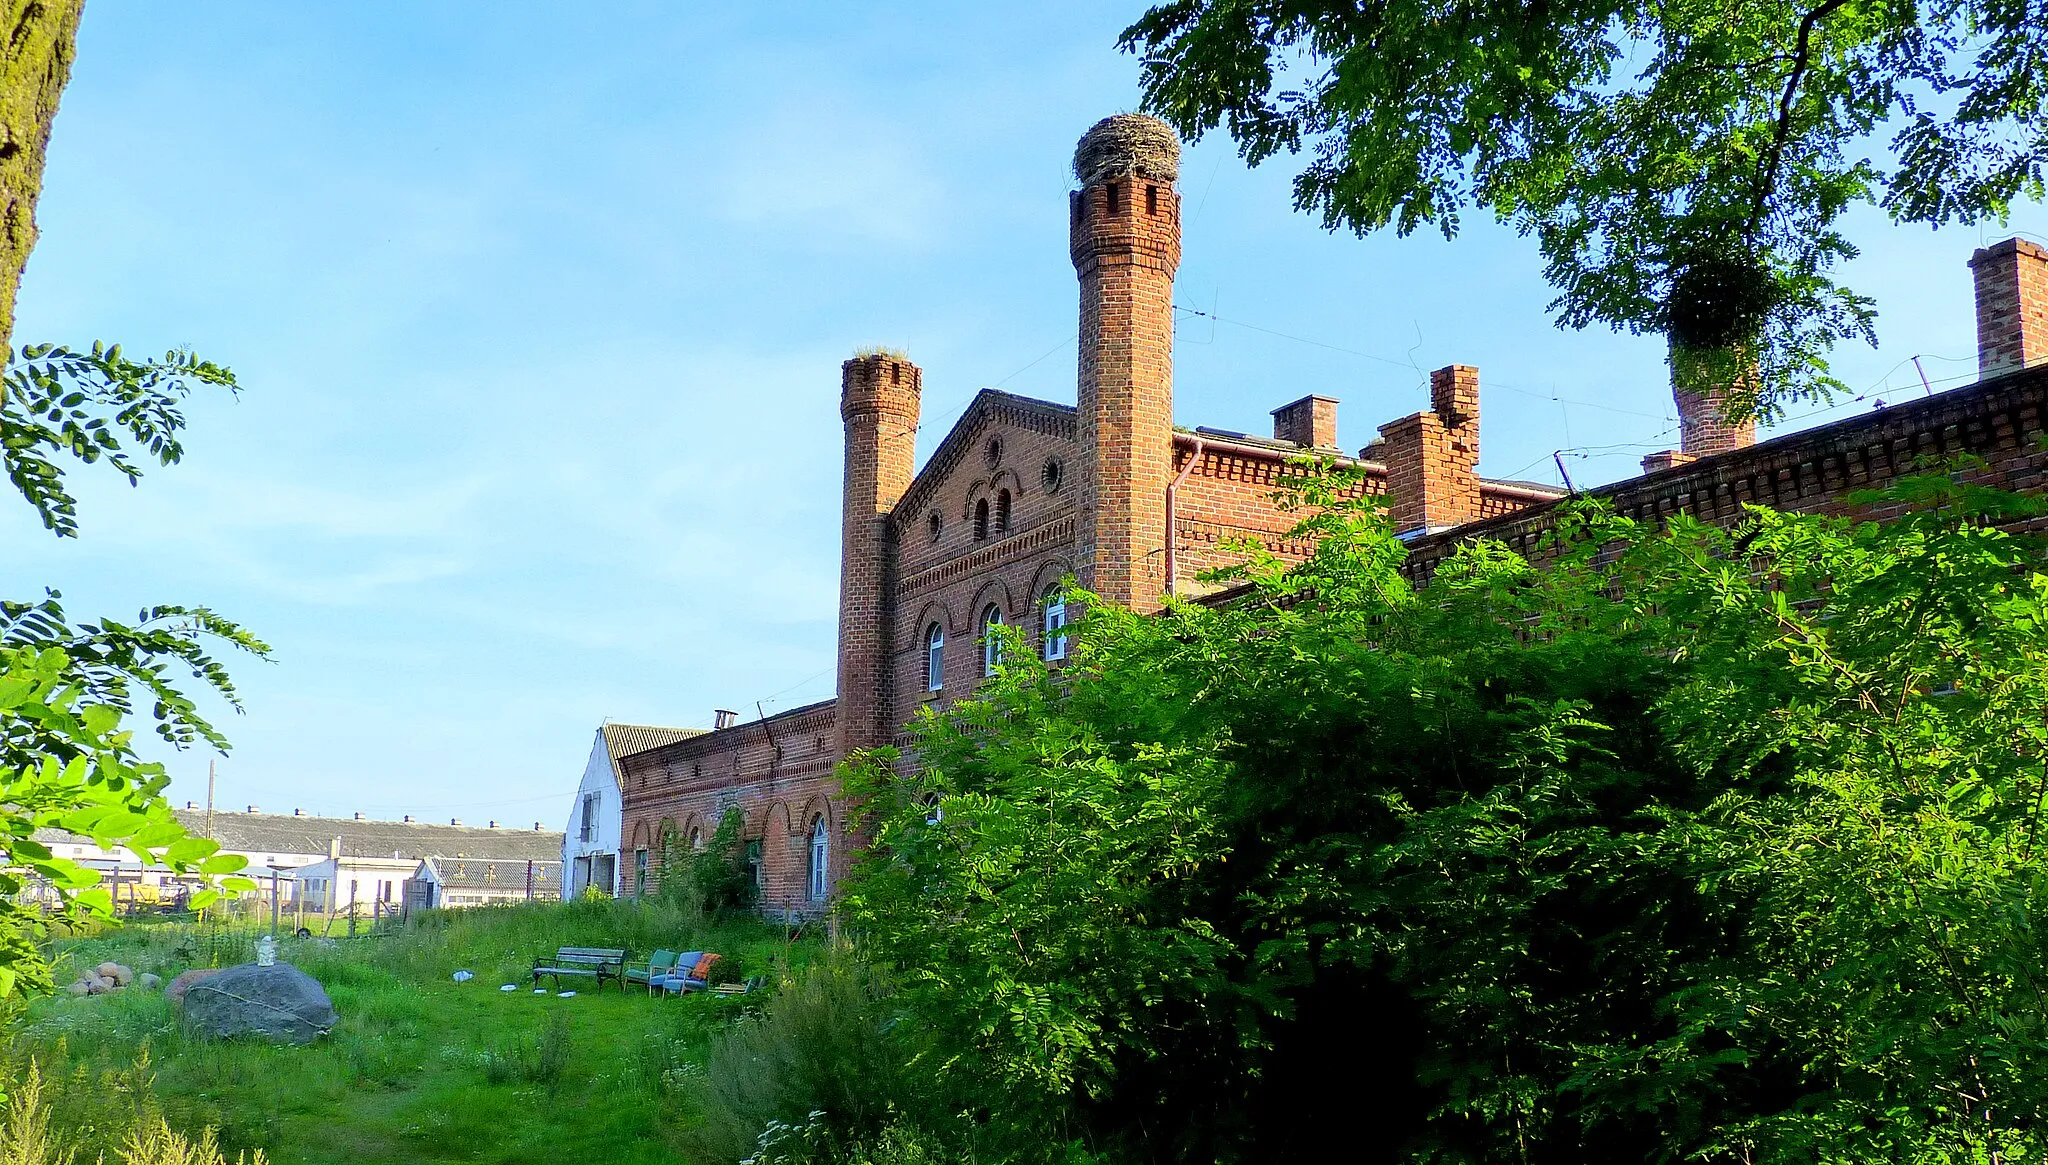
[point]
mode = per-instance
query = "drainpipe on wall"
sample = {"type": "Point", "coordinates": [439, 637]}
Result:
{"type": "Point", "coordinates": [1172, 497]}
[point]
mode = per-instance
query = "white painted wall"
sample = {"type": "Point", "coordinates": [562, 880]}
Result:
{"type": "Point", "coordinates": [359, 881]}
{"type": "Point", "coordinates": [598, 779]}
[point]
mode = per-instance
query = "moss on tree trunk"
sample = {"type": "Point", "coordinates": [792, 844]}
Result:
{"type": "Point", "coordinates": [35, 63]}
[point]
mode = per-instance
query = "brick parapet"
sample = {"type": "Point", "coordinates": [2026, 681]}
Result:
{"type": "Point", "coordinates": [1998, 420]}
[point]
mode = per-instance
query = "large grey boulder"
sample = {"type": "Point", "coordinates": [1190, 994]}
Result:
{"type": "Point", "coordinates": [280, 1003]}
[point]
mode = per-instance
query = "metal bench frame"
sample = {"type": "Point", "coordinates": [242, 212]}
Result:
{"type": "Point", "coordinates": [600, 963]}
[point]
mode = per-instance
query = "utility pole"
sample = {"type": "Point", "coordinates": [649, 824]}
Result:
{"type": "Point", "coordinates": [273, 902]}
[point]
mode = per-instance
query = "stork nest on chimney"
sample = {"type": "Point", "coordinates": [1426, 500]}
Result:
{"type": "Point", "coordinates": [1127, 144]}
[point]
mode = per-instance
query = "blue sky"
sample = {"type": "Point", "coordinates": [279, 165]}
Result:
{"type": "Point", "coordinates": [540, 308]}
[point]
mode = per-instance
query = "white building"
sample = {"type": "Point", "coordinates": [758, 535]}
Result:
{"type": "Point", "coordinates": [590, 844]}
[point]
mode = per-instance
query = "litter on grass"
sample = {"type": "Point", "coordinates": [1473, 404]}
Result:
{"type": "Point", "coordinates": [540, 991]}
{"type": "Point", "coordinates": [463, 976]}
{"type": "Point", "coordinates": [565, 995]}
{"type": "Point", "coordinates": [509, 987]}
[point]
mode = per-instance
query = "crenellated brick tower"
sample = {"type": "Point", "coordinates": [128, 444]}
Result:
{"type": "Point", "coordinates": [878, 399]}
{"type": "Point", "coordinates": [1125, 242]}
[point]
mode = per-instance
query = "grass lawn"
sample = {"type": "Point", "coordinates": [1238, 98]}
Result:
{"type": "Point", "coordinates": [420, 1068]}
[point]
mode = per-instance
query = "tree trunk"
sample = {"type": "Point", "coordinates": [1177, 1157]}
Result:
{"type": "Point", "coordinates": [35, 63]}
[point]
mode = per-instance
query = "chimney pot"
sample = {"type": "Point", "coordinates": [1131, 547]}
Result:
{"type": "Point", "coordinates": [494, 823]}
{"type": "Point", "coordinates": [1310, 422]}
{"type": "Point", "coordinates": [536, 827]}
{"type": "Point", "coordinates": [191, 804]}
{"type": "Point", "coordinates": [723, 718]}
{"type": "Point", "coordinates": [408, 819]}
{"type": "Point", "coordinates": [455, 821]}
{"type": "Point", "coordinates": [298, 813]}
{"type": "Point", "coordinates": [2012, 306]}
{"type": "Point", "coordinates": [252, 809]}
{"type": "Point", "coordinates": [359, 817]}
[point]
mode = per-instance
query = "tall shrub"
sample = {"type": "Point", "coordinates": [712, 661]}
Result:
{"type": "Point", "coordinates": [1694, 844]}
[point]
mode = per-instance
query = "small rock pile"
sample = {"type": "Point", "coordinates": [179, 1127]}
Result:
{"type": "Point", "coordinates": [108, 978]}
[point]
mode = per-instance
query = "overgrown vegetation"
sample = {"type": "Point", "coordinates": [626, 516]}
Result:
{"type": "Point", "coordinates": [714, 880]}
{"type": "Point", "coordinates": [420, 1068]}
{"type": "Point", "coordinates": [1694, 844]}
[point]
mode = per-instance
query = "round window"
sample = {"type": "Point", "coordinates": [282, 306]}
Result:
{"type": "Point", "coordinates": [936, 524]}
{"type": "Point", "coordinates": [1052, 473]}
{"type": "Point", "coordinates": [994, 451]}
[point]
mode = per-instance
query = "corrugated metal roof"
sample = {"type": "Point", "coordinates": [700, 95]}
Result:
{"type": "Point", "coordinates": [623, 740]}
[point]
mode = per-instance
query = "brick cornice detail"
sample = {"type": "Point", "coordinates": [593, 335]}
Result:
{"type": "Point", "coordinates": [1058, 531]}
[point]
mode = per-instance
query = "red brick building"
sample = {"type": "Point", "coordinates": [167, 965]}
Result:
{"type": "Point", "coordinates": [1023, 493]}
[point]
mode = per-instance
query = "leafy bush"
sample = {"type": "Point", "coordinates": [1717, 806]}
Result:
{"type": "Point", "coordinates": [819, 1046]}
{"type": "Point", "coordinates": [1695, 844]}
{"type": "Point", "coordinates": [714, 881]}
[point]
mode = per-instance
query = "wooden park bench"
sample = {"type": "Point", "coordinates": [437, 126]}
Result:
{"type": "Point", "coordinates": [598, 963]}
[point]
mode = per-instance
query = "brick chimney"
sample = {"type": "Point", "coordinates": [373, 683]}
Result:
{"type": "Point", "coordinates": [1702, 428]}
{"type": "Point", "coordinates": [1124, 239]}
{"type": "Point", "coordinates": [878, 399]}
{"type": "Point", "coordinates": [2012, 306]}
{"type": "Point", "coordinates": [1432, 458]}
{"type": "Point", "coordinates": [1310, 422]}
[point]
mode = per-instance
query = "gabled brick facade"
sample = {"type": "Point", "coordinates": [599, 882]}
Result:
{"type": "Point", "coordinates": [1022, 494]}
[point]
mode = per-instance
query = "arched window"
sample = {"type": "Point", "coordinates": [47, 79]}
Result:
{"type": "Point", "coordinates": [981, 520]}
{"type": "Point", "coordinates": [821, 855]}
{"type": "Point", "coordinates": [696, 838]}
{"type": "Point", "coordinates": [1055, 638]}
{"type": "Point", "coordinates": [1002, 511]}
{"type": "Point", "coordinates": [934, 658]}
{"type": "Point", "coordinates": [991, 642]}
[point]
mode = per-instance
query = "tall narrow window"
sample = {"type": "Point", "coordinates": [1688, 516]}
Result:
{"type": "Point", "coordinates": [991, 641]}
{"type": "Point", "coordinates": [934, 658]}
{"type": "Point", "coordinates": [1002, 511]}
{"type": "Point", "coordinates": [1055, 623]}
{"type": "Point", "coordinates": [639, 873]}
{"type": "Point", "coordinates": [821, 854]}
{"type": "Point", "coordinates": [981, 520]}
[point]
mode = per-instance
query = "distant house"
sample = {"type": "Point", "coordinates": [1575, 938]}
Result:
{"type": "Point", "coordinates": [329, 865]}
{"type": "Point", "coordinates": [590, 844]}
{"type": "Point", "coordinates": [454, 883]}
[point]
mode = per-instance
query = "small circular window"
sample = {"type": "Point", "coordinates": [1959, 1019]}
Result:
{"type": "Point", "coordinates": [936, 524]}
{"type": "Point", "coordinates": [993, 451]}
{"type": "Point", "coordinates": [1051, 475]}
